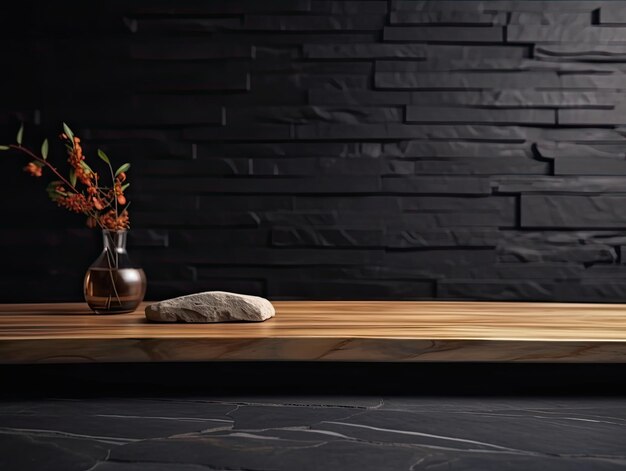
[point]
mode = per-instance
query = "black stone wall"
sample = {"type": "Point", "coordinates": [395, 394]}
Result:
{"type": "Point", "coordinates": [329, 149]}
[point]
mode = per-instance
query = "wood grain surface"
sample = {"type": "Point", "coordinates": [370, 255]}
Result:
{"type": "Point", "coordinates": [324, 331]}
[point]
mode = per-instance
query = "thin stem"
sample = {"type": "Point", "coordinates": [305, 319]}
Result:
{"type": "Point", "coordinates": [113, 183]}
{"type": "Point", "coordinates": [94, 215]}
{"type": "Point", "coordinates": [117, 296]}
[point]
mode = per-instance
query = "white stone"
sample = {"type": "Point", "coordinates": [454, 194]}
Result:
{"type": "Point", "coordinates": [211, 306]}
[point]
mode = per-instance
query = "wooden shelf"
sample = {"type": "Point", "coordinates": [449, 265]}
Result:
{"type": "Point", "coordinates": [325, 331]}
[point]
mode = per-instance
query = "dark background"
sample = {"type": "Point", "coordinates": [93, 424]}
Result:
{"type": "Point", "coordinates": [327, 149]}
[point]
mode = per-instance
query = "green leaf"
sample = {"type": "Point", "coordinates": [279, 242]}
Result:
{"type": "Point", "coordinates": [125, 186]}
{"type": "Point", "coordinates": [20, 134]}
{"type": "Point", "coordinates": [86, 167]}
{"type": "Point", "coordinates": [123, 168]}
{"type": "Point", "coordinates": [103, 156]}
{"type": "Point", "coordinates": [68, 132]}
{"type": "Point", "coordinates": [72, 177]}
{"type": "Point", "coordinates": [44, 149]}
{"type": "Point", "coordinates": [51, 189]}
{"type": "Point", "coordinates": [4, 147]}
{"type": "Point", "coordinates": [53, 185]}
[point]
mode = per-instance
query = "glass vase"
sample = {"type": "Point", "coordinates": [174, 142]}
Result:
{"type": "Point", "coordinates": [113, 285]}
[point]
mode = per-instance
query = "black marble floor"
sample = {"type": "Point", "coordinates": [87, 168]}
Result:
{"type": "Point", "coordinates": [160, 428]}
{"type": "Point", "coordinates": [313, 433]}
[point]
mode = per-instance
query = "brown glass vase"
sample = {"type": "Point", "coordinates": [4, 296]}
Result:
{"type": "Point", "coordinates": [113, 284]}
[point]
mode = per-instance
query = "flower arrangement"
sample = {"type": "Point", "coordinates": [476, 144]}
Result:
{"type": "Point", "coordinates": [112, 283]}
{"type": "Point", "coordinates": [81, 191]}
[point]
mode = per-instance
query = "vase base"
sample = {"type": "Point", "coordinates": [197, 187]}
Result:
{"type": "Point", "coordinates": [113, 307]}
{"type": "Point", "coordinates": [114, 291]}
{"type": "Point", "coordinates": [105, 312]}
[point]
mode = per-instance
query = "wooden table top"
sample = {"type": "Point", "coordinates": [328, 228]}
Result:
{"type": "Point", "coordinates": [324, 331]}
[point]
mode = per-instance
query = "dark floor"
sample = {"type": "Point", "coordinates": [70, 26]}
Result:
{"type": "Point", "coordinates": [171, 425]}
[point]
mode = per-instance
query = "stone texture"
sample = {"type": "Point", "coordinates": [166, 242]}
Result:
{"type": "Point", "coordinates": [312, 114]}
{"type": "Point", "coordinates": [290, 237]}
{"type": "Point", "coordinates": [330, 148]}
{"type": "Point", "coordinates": [573, 211]}
{"type": "Point", "coordinates": [312, 23]}
{"type": "Point", "coordinates": [589, 166]}
{"type": "Point", "coordinates": [478, 51]}
{"type": "Point", "coordinates": [581, 52]}
{"type": "Point", "coordinates": [438, 184]}
{"type": "Point", "coordinates": [349, 7]}
{"type": "Point", "coordinates": [444, 17]}
{"type": "Point", "coordinates": [442, 33]}
{"type": "Point", "coordinates": [593, 117]}
{"type": "Point", "coordinates": [183, 219]}
{"type": "Point", "coordinates": [476, 64]}
{"type": "Point", "coordinates": [360, 431]}
{"type": "Point", "coordinates": [439, 80]}
{"type": "Point", "coordinates": [612, 14]}
{"type": "Point", "coordinates": [218, 7]}
{"type": "Point", "coordinates": [608, 81]}
{"type": "Point", "coordinates": [480, 166]}
{"type": "Point", "coordinates": [565, 33]}
{"type": "Point", "coordinates": [364, 51]}
{"type": "Point", "coordinates": [496, 289]}
{"type": "Point", "coordinates": [548, 18]}
{"type": "Point", "coordinates": [211, 306]}
{"type": "Point", "coordinates": [442, 238]}
{"type": "Point", "coordinates": [567, 150]}
{"type": "Point", "coordinates": [185, 49]}
{"type": "Point", "coordinates": [334, 290]}
{"type": "Point", "coordinates": [426, 114]}
{"type": "Point", "coordinates": [574, 184]}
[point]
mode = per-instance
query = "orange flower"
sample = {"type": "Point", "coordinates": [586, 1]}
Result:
{"type": "Point", "coordinates": [75, 202]}
{"type": "Point", "coordinates": [119, 193]}
{"type": "Point", "coordinates": [34, 169]}
{"type": "Point", "coordinates": [97, 204]}
{"type": "Point", "coordinates": [113, 223]}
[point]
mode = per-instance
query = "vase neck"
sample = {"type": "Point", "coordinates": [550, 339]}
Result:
{"type": "Point", "coordinates": [114, 241]}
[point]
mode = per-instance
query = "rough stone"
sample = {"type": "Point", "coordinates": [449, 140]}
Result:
{"type": "Point", "coordinates": [211, 306]}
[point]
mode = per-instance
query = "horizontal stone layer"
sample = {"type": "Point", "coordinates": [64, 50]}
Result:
{"type": "Point", "coordinates": [565, 33]}
{"type": "Point", "coordinates": [607, 211]}
{"type": "Point", "coordinates": [426, 114]}
{"type": "Point", "coordinates": [443, 34]}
